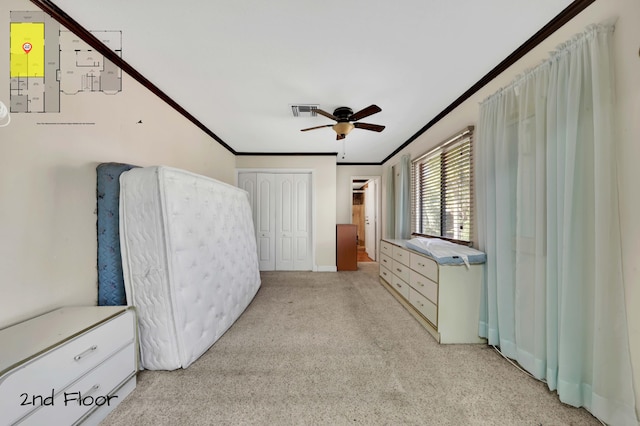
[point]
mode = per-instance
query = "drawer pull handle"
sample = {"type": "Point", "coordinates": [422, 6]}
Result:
{"type": "Point", "coordinates": [92, 389]}
{"type": "Point", "coordinates": [85, 353]}
{"type": "Point", "coordinates": [398, 269]}
{"type": "Point", "coordinates": [421, 264]}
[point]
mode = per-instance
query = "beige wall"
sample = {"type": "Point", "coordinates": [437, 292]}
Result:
{"type": "Point", "coordinates": [626, 41]}
{"type": "Point", "coordinates": [343, 189]}
{"type": "Point", "coordinates": [324, 189]}
{"type": "Point", "coordinates": [48, 185]}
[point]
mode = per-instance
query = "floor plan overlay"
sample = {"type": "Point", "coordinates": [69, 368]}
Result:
{"type": "Point", "coordinates": [48, 61]}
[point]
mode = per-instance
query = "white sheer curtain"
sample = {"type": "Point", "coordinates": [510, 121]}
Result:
{"type": "Point", "coordinates": [390, 206]}
{"type": "Point", "coordinates": [548, 213]}
{"type": "Point", "coordinates": [403, 198]}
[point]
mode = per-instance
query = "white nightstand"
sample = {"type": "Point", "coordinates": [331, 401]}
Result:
{"type": "Point", "coordinates": [72, 365]}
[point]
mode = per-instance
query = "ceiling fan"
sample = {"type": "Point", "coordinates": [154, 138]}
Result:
{"type": "Point", "coordinates": [347, 120]}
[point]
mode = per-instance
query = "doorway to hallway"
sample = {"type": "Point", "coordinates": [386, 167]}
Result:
{"type": "Point", "coordinates": [365, 213]}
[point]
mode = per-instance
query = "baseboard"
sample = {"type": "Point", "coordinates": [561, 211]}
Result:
{"type": "Point", "coordinates": [326, 268]}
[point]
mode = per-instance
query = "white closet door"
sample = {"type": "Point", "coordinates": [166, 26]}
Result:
{"type": "Point", "coordinates": [284, 222]}
{"type": "Point", "coordinates": [281, 207]}
{"type": "Point", "coordinates": [266, 221]}
{"type": "Point", "coordinates": [248, 182]}
{"type": "Point", "coordinates": [293, 222]}
{"type": "Point", "coordinates": [302, 222]}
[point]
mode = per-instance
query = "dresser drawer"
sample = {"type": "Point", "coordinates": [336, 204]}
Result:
{"type": "Point", "coordinates": [424, 306]}
{"type": "Point", "coordinates": [90, 391]}
{"type": "Point", "coordinates": [401, 255]}
{"type": "Point", "coordinates": [401, 270]}
{"type": "Point", "coordinates": [386, 261]}
{"type": "Point", "coordinates": [61, 366]}
{"type": "Point", "coordinates": [400, 286]}
{"type": "Point", "coordinates": [425, 266]}
{"type": "Point", "coordinates": [386, 274]}
{"type": "Point", "coordinates": [424, 286]}
{"type": "Point", "coordinates": [386, 248]}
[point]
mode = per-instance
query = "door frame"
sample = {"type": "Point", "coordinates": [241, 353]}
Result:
{"type": "Point", "coordinates": [313, 198]}
{"type": "Point", "coordinates": [378, 207]}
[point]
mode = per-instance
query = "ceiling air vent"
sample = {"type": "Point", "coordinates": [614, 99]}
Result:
{"type": "Point", "coordinates": [304, 110]}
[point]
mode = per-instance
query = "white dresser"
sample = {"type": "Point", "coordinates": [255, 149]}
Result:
{"type": "Point", "coordinates": [73, 365]}
{"type": "Point", "coordinates": [445, 299]}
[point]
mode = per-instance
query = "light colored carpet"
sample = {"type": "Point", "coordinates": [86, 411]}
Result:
{"type": "Point", "coordinates": [337, 348]}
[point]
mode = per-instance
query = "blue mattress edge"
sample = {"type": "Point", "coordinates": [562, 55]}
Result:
{"type": "Point", "coordinates": [109, 263]}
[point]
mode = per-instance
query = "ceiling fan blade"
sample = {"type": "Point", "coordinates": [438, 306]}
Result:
{"type": "Point", "coordinates": [340, 136]}
{"type": "Point", "coordinates": [326, 114]}
{"type": "Point", "coordinates": [370, 110]}
{"type": "Point", "coordinates": [317, 127]}
{"type": "Point", "coordinates": [367, 126]}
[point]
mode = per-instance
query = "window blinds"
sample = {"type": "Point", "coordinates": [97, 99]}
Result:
{"type": "Point", "coordinates": [442, 189]}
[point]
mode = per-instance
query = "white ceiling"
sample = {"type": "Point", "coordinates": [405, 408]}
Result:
{"type": "Point", "coordinates": [237, 66]}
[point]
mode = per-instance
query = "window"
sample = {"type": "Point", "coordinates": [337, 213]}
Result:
{"type": "Point", "coordinates": [442, 189]}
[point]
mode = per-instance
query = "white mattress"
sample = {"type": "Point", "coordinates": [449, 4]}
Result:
{"type": "Point", "coordinates": [189, 261]}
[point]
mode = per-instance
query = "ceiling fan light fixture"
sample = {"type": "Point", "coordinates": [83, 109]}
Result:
{"type": "Point", "coordinates": [343, 128]}
{"type": "Point", "coordinates": [346, 120]}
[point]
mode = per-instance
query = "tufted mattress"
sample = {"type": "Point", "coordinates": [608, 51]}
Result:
{"type": "Point", "coordinates": [189, 261]}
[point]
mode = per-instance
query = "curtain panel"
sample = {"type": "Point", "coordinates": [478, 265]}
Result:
{"type": "Point", "coordinates": [403, 198]}
{"type": "Point", "coordinates": [553, 296]}
{"type": "Point", "coordinates": [390, 205]}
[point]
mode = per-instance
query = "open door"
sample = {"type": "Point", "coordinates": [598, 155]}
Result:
{"type": "Point", "coordinates": [366, 212]}
{"type": "Point", "coordinates": [370, 218]}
